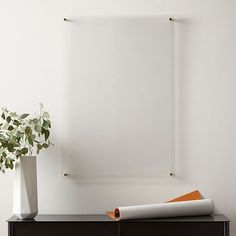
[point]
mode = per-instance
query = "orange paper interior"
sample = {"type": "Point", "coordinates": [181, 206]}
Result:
{"type": "Point", "coordinates": [195, 195]}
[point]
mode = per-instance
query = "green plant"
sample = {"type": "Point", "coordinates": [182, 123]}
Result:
{"type": "Point", "coordinates": [21, 135]}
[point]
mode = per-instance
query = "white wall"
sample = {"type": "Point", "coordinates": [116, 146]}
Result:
{"type": "Point", "coordinates": [31, 71]}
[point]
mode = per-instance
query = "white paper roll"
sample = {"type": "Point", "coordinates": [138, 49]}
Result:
{"type": "Point", "coordinates": [162, 210]}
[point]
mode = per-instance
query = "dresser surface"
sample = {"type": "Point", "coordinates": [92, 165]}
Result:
{"type": "Point", "coordinates": [102, 225]}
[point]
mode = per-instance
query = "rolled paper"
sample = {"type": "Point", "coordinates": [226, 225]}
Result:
{"type": "Point", "coordinates": [195, 195]}
{"type": "Point", "coordinates": [163, 210]}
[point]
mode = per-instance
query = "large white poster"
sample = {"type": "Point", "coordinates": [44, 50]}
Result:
{"type": "Point", "coordinates": [118, 119]}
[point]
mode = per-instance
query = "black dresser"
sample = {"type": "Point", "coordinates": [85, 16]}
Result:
{"type": "Point", "coordinates": [102, 225]}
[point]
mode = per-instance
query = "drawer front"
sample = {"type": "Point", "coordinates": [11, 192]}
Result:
{"type": "Point", "coordinates": [172, 229]}
{"type": "Point", "coordinates": [64, 229]}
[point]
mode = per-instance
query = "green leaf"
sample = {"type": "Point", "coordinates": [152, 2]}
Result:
{"type": "Point", "coordinates": [23, 116]}
{"type": "Point", "coordinates": [10, 127]}
{"type": "Point", "coordinates": [18, 153]}
{"type": "Point", "coordinates": [4, 154]}
{"type": "Point", "coordinates": [11, 165]}
{"type": "Point", "coordinates": [13, 114]}
{"type": "Point", "coordinates": [35, 120]}
{"type": "Point", "coordinates": [30, 141]}
{"type": "Point", "coordinates": [45, 124]}
{"type": "Point", "coordinates": [46, 134]}
{"type": "Point", "coordinates": [10, 147]}
{"type": "Point", "coordinates": [28, 130]}
{"type": "Point", "coordinates": [39, 146]}
{"type": "Point", "coordinates": [46, 115]}
{"type": "Point", "coordinates": [14, 141]}
{"type": "Point", "coordinates": [45, 145]}
{"type": "Point", "coordinates": [19, 134]}
{"type": "Point", "coordinates": [8, 119]}
{"type": "Point", "coordinates": [24, 151]}
{"type": "Point", "coordinates": [8, 162]}
{"type": "Point", "coordinates": [4, 144]}
{"type": "Point", "coordinates": [38, 128]}
{"type": "Point", "coordinates": [33, 136]}
{"type": "Point", "coordinates": [3, 116]}
{"type": "Point", "coordinates": [16, 123]}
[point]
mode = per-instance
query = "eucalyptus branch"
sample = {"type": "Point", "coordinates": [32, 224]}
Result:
{"type": "Point", "coordinates": [21, 135]}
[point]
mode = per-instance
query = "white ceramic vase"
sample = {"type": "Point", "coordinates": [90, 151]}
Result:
{"type": "Point", "coordinates": [25, 198]}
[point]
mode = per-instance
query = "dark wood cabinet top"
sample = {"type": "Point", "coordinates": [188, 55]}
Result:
{"type": "Point", "coordinates": [105, 218]}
